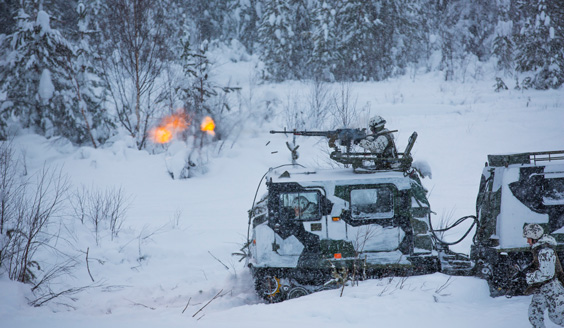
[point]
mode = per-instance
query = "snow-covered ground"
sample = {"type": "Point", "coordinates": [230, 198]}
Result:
{"type": "Point", "coordinates": [174, 251]}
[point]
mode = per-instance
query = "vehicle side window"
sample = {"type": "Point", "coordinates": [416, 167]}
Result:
{"type": "Point", "coordinates": [303, 206]}
{"type": "Point", "coordinates": [374, 203]}
{"type": "Point", "coordinates": [554, 192]}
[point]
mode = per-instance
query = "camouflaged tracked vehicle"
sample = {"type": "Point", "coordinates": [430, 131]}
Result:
{"type": "Point", "coordinates": [364, 222]}
{"type": "Point", "coordinates": [515, 190]}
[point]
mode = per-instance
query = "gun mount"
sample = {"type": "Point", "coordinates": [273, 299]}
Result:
{"type": "Point", "coordinates": [360, 161]}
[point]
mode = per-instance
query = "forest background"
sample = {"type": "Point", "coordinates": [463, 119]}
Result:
{"type": "Point", "coordinates": [88, 70]}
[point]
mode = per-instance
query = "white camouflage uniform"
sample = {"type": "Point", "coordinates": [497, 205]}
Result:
{"type": "Point", "coordinates": [379, 144]}
{"type": "Point", "coordinates": [374, 145]}
{"type": "Point", "coordinates": [551, 294]}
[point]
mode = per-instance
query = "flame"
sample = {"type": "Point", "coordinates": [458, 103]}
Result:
{"type": "Point", "coordinates": [169, 127]}
{"type": "Point", "coordinates": [160, 134]}
{"type": "Point", "coordinates": [175, 122]}
{"type": "Point", "coordinates": [208, 125]}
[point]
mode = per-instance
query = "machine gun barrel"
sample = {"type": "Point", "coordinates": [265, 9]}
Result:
{"type": "Point", "coordinates": [345, 136]}
{"type": "Point", "coordinates": [307, 133]}
{"type": "Point", "coordinates": [341, 133]}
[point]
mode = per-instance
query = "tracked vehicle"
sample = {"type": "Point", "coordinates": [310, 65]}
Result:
{"type": "Point", "coordinates": [373, 219]}
{"type": "Point", "coordinates": [368, 220]}
{"type": "Point", "coordinates": [516, 189]}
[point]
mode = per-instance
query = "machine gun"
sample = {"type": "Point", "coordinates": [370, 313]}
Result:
{"type": "Point", "coordinates": [358, 160]}
{"type": "Point", "coordinates": [346, 136]}
{"type": "Point", "coordinates": [515, 283]}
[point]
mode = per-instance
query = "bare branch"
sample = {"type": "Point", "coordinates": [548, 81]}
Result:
{"type": "Point", "coordinates": [216, 296]}
{"type": "Point", "coordinates": [52, 295]}
{"type": "Point", "coordinates": [186, 305]}
{"type": "Point", "coordinates": [87, 265]}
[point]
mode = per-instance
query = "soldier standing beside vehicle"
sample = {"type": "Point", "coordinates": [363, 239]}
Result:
{"type": "Point", "coordinates": [545, 279]}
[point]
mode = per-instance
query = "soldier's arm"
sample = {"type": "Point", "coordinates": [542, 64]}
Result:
{"type": "Point", "coordinates": [547, 260]}
{"type": "Point", "coordinates": [367, 143]}
{"type": "Point", "coordinates": [380, 143]}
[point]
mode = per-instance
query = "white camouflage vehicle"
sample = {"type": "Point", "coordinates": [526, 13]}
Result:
{"type": "Point", "coordinates": [315, 225]}
{"type": "Point", "coordinates": [374, 220]}
{"type": "Point", "coordinates": [516, 189]}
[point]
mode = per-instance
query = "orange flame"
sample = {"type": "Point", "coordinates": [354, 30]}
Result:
{"type": "Point", "coordinates": [169, 127]}
{"type": "Point", "coordinates": [160, 134]}
{"type": "Point", "coordinates": [208, 125]}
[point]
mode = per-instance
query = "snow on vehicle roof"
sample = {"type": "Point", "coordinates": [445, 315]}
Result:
{"type": "Point", "coordinates": [339, 176]}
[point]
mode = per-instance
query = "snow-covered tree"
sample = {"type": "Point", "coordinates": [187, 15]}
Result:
{"type": "Point", "coordinates": [196, 89]}
{"type": "Point", "coordinates": [247, 14]}
{"type": "Point", "coordinates": [478, 18]}
{"type": "Point", "coordinates": [428, 24]}
{"type": "Point", "coordinates": [85, 74]}
{"type": "Point", "coordinates": [403, 36]}
{"type": "Point", "coordinates": [503, 42]}
{"type": "Point", "coordinates": [365, 40]}
{"type": "Point", "coordinates": [360, 46]}
{"type": "Point", "coordinates": [452, 32]}
{"type": "Point", "coordinates": [35, 78]}
{"type": "Point", "coordinates": [276, 36]}
{"type": "Point", "coordinates": [540, 43]}
{"type": "Point", "coordinates": [8, 9]}
{"type": "Point", "coordinates": [301, 17]}
{"type": "Point", "coordinates": [137, 44]}
{"type": "Point", "coordinates": [200, 95]}
{"type": "Point", "coordinates": [324, 36]}
{"type": "Point", "coordinates": [210, 19]}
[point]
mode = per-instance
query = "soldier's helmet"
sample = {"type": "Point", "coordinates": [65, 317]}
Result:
{"type": "Point", "coordinates": [300, 203]}
{"type": "Point", "coordinates": [533, 231]}
{"type": "Point", "coordinates": [376, 123]}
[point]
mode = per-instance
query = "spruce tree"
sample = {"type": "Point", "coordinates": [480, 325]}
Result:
{"type": "Point", "coordinates": [358, 41]}
{"type": "Point", "coordinates": [85, 74]}
{"type": "Point", "coordinates": [503, 45]}
{"type": "Point", "coordinates": [452, 34]}
{"type": "Point", "coordinates": [209, 19]}
{"type": "Point", "coordinates": [8, 9]}
{"type": "Point", "coordinates": [248, 16]}
{"type": "Point", "coordinates": [365, 40]}
{"type": "Point", "coordinates": [198, 88]}
{"type": "Point", "coordinates": [39, 93]}
{"type": "Point", "coordinates": [301, 19]}
{"type": "Point", "coordinates": [478, 18]}
{"type": "Point", "coordinates": [324, 35]}
{"type": "Point", "coordinates": [200, 95]}
{"type": "Point", "coordinates": [276, 35]}
{"type": "Point", "coordinates": [540, 45]}
{"type": "Point", "coordinates": [403, 34]}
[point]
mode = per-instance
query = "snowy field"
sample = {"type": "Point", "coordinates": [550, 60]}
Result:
{"type": "Point", "coordinates": [173, 253]}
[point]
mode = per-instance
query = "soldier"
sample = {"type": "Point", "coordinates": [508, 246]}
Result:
{"type": "Point", "coordinates": [303, 208]}
{"type": "Point", "coordinates": [382, 144]}
{"type": "Point", "coordinates": [545, 279]}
